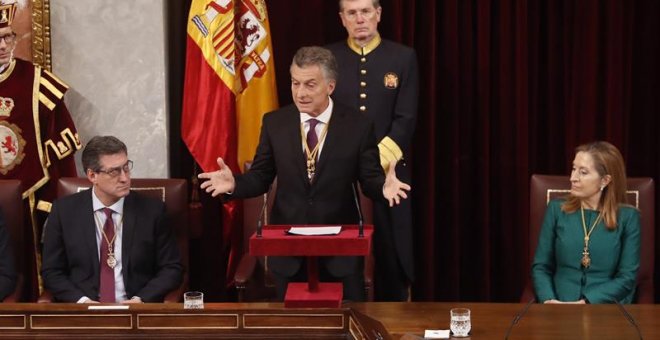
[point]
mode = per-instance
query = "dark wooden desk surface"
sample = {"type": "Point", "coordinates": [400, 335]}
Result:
{"type": "Point", "coordinates": [489, 320]}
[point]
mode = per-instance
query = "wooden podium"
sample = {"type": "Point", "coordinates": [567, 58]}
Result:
{"type": "Point", "coordinates": [172, 321]}
{"type": "Point", "coordinates": [275, 241]}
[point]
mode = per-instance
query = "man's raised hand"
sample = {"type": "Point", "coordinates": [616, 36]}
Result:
{"type": "Point", "coordinates": [218, 182]}
{"type": "Point", "coordinates": [394, 190]}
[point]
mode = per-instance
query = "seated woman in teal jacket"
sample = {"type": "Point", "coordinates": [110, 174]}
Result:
{"type": "Point", "coordinates": [589, 245]}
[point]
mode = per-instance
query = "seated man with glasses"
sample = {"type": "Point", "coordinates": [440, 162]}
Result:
{"type": "Point", "coordinates": [109, 244]}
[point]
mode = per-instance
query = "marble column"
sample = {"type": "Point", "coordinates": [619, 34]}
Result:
{"type": "Point", "coordinates": [112, 55]}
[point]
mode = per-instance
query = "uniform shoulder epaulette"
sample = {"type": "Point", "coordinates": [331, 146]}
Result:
{"type": "Point", "coordinates": [51, 88]}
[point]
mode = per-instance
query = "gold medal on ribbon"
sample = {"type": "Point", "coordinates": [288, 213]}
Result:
{"type": "Point", "coordinates": [112, 261]}
{"type": "Point", "coordinates": [311, 169]}
{"type": "Point", "coordinates": [586, 260]}
{"type": "Point", "coordinates": [312, 155]}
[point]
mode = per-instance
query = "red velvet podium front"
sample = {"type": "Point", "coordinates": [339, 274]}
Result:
{"type": "Point", "coordinates": [276, 242]}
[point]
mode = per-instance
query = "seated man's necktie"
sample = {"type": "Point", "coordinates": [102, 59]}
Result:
{"type": "Point", "coordinates": [108, 260]}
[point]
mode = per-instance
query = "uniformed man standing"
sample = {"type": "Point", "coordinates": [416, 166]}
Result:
{"type": "Point", "coordinates": [37, 135]}
{"type": "Point", "coordinates": [379, 78]}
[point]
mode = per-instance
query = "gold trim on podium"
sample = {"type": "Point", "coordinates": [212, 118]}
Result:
{"type": "Point", "coordinates": [6, 319]}
{"type": "Point", "coordinates": [192, 321]}
{"type": "Point", "coordinates": [354, 329]}
{"type": "Point", "coordinates": [291, 321]}
{"type": "Point", "coordinates": [74, 321]}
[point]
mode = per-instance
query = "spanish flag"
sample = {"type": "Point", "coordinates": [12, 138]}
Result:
{"type": "Point", "coordinates": [229, 85]}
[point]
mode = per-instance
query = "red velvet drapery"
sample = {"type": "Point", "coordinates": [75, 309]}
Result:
{"type": "Point", "coordinates": [508, 89]}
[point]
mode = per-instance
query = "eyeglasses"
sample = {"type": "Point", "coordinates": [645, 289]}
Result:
{"type": "Point", "coordinates": [366, 13]}
{"type": "Point", "coordinates": [8, 38]}
{"type": "Point", "coordinates": [114, 172]}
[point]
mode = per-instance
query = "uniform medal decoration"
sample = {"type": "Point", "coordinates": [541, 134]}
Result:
{"type": "Point", "coordinates": [12, 146]}
{"type": "Point", "coordinates": [391, 80]}
{"type": "Point", "coordinates": [586, 259]}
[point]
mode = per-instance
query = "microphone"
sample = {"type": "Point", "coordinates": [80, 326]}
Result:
{"type": "Point", "coordinates": [629, 317]}
{"type": "Point", "coordinates": [260, 219]}
{"type": "Point", "coordinates": [359, 210]}
{"type": "Point", "coordinates": [517, 318]}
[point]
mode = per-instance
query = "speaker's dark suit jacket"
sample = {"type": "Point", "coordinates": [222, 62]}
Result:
{"type": "Point", "coordinates": [150, 257]}
{"type": "Point", "coordinates": [349, 154]}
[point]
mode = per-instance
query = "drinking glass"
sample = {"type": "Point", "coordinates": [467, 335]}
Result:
{"type": "Point", "coordinates": [193, 300]}
{"type": "Point", "coordinates": [460, 322]}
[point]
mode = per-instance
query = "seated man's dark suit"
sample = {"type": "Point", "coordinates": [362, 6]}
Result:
{"type": "Point", "coordinates": [349, 154]}
{"type": "Point", "coordinates": [7, 266]}
{"type": "Point", "coordinates": [150, 257]}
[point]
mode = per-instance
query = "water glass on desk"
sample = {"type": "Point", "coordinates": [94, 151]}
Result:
{"type": "Point", "coordinates": [460, 324]}
{"type": "Point", "coordinates": [193, 300]}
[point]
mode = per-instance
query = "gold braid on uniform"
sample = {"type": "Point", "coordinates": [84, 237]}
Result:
{"type": "Point", "coordinates": [51, 92]}
{"type": "Point", "coordinates": [389, 152]}
{"type": "Point", "coordinates": [366, 49]}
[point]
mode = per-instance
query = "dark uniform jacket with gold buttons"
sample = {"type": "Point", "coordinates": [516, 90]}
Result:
{"type": "Point", "coordinates": [381, 81]}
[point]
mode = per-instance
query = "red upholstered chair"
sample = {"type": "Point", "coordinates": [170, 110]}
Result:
{"type": "Point", "coordinates": [173, 192]}
{"type": "Point", "coordinates": [640, 193]}
{"type": "Point", "coordinates": [12, 210]}
{"type": "Point", "coordinates": [253, 280]}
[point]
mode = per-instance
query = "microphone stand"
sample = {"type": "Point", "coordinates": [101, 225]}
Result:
{"type": "Point", "coordinates": [629, 317]}
{"type": "Point", "coordinates": [359, 210]}
{"type": "Point", "coordinates": [517, 318]}
{"type": "Point", "coordinates": [261, 215]}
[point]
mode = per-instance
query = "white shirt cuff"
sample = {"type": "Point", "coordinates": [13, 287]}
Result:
{"type": "Point", "coordinates": [83, 299]}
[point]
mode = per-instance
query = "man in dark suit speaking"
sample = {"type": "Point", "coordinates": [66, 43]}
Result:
{"type": "Point", "coordinates": [317, 149]}
{"type": "Point", "coordinates": [108, 243]}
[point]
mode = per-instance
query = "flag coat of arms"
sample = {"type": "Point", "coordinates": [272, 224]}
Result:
{"type": "Point", "coordinates": [229, 86]}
